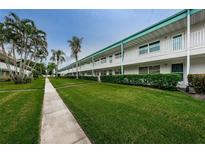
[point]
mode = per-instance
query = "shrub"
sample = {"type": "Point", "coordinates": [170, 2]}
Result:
{"type": "Point", "coordinates": [94, 78]}
{"type": "Point", "coordinates": [35, 74]}
{"type": "Point", "coordinates": [69, 76]}
{"type": "Point", "coordinates": [161, 81]}
{"type": "Point", "coordinates": [197, 81]}
{"type": "Point", "coordinates": [25, 80]}
{"type": "Point", "coordinates": [5, 79]}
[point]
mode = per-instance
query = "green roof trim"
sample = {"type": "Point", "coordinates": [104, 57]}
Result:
{"type": "Point", "coordinates": [176, 17]}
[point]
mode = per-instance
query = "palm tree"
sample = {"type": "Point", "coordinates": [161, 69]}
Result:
{"type": "Point", "coordinates": [50, 68]}
{"type": "Point", "coordinates": [58, 56]}
{"type": "Point", "coordinates": [75, 45]}
{"type": "Point", "coordinates": [27, 43]}
{"type": "Point", "coordinates": [39, 51]}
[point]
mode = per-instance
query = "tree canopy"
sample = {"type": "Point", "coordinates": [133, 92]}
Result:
{"type": "Point", "coordinates": [22, 43]}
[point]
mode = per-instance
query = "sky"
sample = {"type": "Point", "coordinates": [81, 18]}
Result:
{"type": "Point", "coordinates": [99, 28]}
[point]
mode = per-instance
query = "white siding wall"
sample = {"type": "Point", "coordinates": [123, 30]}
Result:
{"type": "Point", "coordinates": [197, 65]}
{"type": "Point", "coordinates": [132, 54]}
{"type": "Point", "coordinates": [115, 62]}
{"type": "Point", "coordinates": [131, 70]}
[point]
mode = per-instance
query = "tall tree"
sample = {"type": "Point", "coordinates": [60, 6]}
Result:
{"type": "Point", "coordinates": [40, 70]}
{"type": "Point", "coordinates": [75, 45]}
{"type": "Point", "coordinates": [58, 56]}
{"type": "Point", "coordinates": [50, 68]}
{"type": "Point", "coordinates": [22, 43]}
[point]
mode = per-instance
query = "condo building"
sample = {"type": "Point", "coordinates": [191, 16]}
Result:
{"type": "Point", "coordinates": [174, 45]}
{"type": "Point", "coordinates": [4, 72]}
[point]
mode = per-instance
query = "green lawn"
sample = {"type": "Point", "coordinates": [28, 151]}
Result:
{"type": "Point", "coordinates": [20, 113]}
{"type": "Point", "coordinates": [59, 83]}
{"type": "Point", "coordinates": [112, 113]}
{"type": "Point", "coordinates": [35, 84]}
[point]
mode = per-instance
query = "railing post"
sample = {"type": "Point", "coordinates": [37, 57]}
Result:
{"type": "Point", "coordinates": [188, 44]}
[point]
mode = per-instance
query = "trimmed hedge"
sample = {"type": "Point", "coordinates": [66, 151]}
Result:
{"type": "Point", "coordinates": [161, 81]}
{"type": "Point", "coordinates": [69, 76]}
{"type": "Point", "coordinates": [197, 81]}
{"type": "Point", "coordinates": [94, 78]}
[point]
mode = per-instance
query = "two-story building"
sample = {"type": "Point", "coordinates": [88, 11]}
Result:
{"type": "Point", "coordinates": [4, 72]}
{"type": "Point", "coordinates": [176, 44]}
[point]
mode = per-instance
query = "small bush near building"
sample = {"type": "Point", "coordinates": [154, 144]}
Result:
{"type": "Point", "coordinates": [25, 80]}
{"type": "Point", "coordinates": [69, 76]}
{"type": "Point", "coordinates": [94, 78]}
{"type": "Point", "coordinates": [161, 81]}
{"type": "Point", "coordinates": [197, 81]}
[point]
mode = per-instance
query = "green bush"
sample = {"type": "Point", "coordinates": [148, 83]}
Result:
{"type": "Point", "coordinates": [94, 78]}
{"type": "Point", "coordinates": [69, 76]}
{"type": "Point", "coordinates": [161, 81]}
{"type": "Point", "coordinates": [35, 74]}
{"type": "Point", "coordinates": [25, 80]}
{"type": "Point", "coordinates": [197, 81]}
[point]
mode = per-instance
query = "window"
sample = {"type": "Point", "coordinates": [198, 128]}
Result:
{"type": "Point", "coordinates": [143, 70]}
{"type": "Point", "coordinates": [143, 49]}
{"type": "Point", "coordinates": [154, 69]}
{"type": "Point", "coordinates": [177, 42]}
{"type": "Point", "coordinates": [178, 68]}
{"type": "Point", "coordinates": [117, 72]}
{"type": "Point", "coordinates": [110, 59]}
{"type": "Point", "coordinates": [103, 60]}
{"type": "Point", "coordinates": [110, 72]}
{"type": "Point", "coordinates": [118, 55]}
{"type": "Point", "coordinates": [155, 46]}
{"type": "Point", "coordinates": [150, 69]}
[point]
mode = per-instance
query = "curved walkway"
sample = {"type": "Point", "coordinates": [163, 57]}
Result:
{"type": "Point", "coordinates": [58, 124]}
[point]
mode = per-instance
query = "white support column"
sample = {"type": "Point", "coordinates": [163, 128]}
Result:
{"type": "Point", "coordinates": [92, 66]}
{"type": "Point", "coordinates": [188, 43]}
{"type": "Point", "coordinates": [122, 58]}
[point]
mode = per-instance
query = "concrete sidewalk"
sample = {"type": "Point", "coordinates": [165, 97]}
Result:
{"type": "Point", "coordinates": [58, 124]}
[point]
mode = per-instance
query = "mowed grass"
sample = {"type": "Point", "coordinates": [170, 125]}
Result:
{"type": "Point", "coordinates": [35, 84]}
{"type": "Point", "coordinates": [70, 82]}
{"type": "Point", "coordinates": [113, 113]}
{"type": "Point", "coordinates": [20, 114]}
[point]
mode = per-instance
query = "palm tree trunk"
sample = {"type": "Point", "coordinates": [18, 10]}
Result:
{"type": "Point", "coordinates": [14, 56]}
{"type": "Point", "coordinates": [57, 69]}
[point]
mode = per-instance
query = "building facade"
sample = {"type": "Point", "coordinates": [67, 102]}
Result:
{"type": "Point", "coordinates": [4, 72]}
{"type": "Point", "coordinates": [176, 44]}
